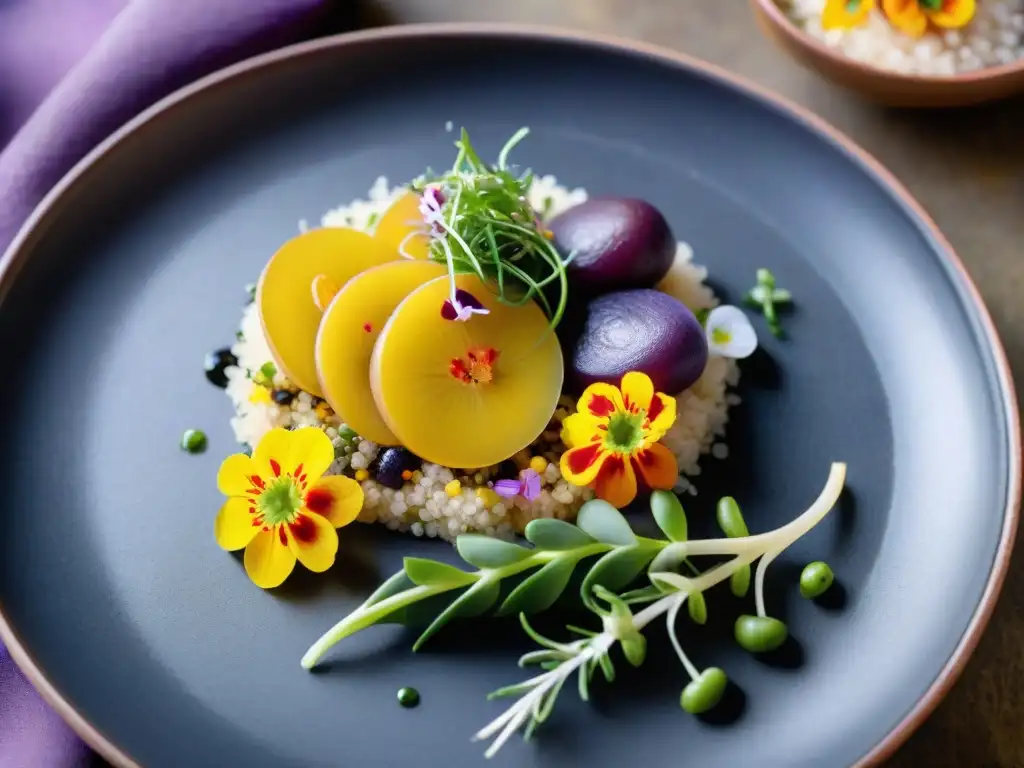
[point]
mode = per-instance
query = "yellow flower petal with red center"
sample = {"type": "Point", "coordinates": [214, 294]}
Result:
{"type": "Point", "coordinates": [954, 14]}
{"type": "Point", "coordinates": [268, 560]}
{"type": "Point", "coordinates": [272, 456]}
{"type": "Point", "coordinates": [234, 527]}
{"type": "Point", "coordinates": [338, 499]}
{"type": "Point", "coordinates": [907, 16]}
{"type": "Point", "coordinates": [311, 453]}
{"type": "Point", "coordinates": [312, 539]}
{"type": "Point", "coordinates": [637, 392]}
{"type": "Point", "coordinates": [616, 482]}
{"type": "Point", "coordinates": [638, 395]}
{"type": "Point", "coordinates": [234, 478]}
{"type": "Point", "coordinates": [657, 466]}
{"type": "Point", "coordinates": [582, 428]}
{"type": "Point", "coordinates": [846, 14]}
{"type": "Point", "coordinates": [600, 400]}
{"type": "Point", "coordinates": [660, 416]}
{"type": "Point", "coordinates": [580, 465]}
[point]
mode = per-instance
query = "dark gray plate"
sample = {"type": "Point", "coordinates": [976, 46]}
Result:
{"type": "Point", "coordinates": [116, 594]}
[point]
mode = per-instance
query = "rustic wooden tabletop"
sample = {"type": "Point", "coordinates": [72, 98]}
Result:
{"type": "Point", "coordinates": [966, 168]}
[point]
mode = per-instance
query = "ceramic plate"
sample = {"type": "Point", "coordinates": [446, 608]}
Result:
{"type": "Point", "coordinates": [153, 642]}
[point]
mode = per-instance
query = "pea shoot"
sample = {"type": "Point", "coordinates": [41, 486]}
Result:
{"type": "Point", "coordinates": [482, 223]}
{"type": "Point", "coordinates": [619, 555]}
{"type": "Point", "coordinates": [766, 297]}
{"type": "Point", "coordinates": [816, 579]}
{"type": "Point", "coordinates": [193, 441]}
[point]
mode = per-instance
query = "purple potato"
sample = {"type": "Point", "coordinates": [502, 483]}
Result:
{"type": "Point", "coordinates": [619, 243]}
{"type": "Point", "coordinates": [641, 330]}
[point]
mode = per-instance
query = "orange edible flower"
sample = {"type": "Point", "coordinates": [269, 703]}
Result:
{"type": "Point", "coordinates": [281, 508]}
{"type": "Point", "coordinates": [913, 16]}
{"type": "Point", "coordinates": [614, 436]}
{"type": "Point", "coordinates": [846, 14]}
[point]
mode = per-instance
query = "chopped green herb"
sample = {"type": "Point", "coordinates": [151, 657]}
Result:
{"type": "Point", "coordinates": [372, 220]}
{"type": "Point", "coordinates": [193, 441]}
{"type": "Point", "coordinates": [250, 291]}
{"type": "Point", "coordinates": [766, 297]}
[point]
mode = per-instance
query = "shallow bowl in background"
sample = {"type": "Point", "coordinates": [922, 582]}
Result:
{"type": "Point", "coordinates": [893, 89]}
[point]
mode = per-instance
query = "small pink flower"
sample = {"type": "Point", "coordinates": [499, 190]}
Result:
{"type": "Point", "coordinates": [462, 306]}
{"type": "Point", "coordinates": [527, 486]}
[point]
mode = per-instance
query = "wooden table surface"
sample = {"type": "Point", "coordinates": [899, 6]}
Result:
{"type": "Point", "coordinates": [965, 167]}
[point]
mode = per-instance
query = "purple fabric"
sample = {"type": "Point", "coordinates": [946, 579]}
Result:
{"type": "Point", "coordinates": [149, 49]}
{"type": "Point", "coordinates": [73, 71]}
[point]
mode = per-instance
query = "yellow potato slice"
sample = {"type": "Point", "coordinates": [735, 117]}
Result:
{"type": "Point", "coordinates": [465, 394]}
{"type": "Point", "coordinates": [395, 226]}
{"type": "Point", "coordinates": [348, 331]}
{"type": "Point", "coordinates": [285, 299]}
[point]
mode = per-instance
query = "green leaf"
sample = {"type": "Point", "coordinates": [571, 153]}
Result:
{"type": "Point", "coordinates": [540, 591]}
{"type": "Point", "coordinates": [556, 535]}
{"type": "Point", "coordinates": [473, 602]}
{"type": "Point", "coordinates": [739, 582]}
{"type": "Point", "coordinates": [399, 582]}
{"type": "Point", "coordinates": [668, 513]}
{"type": "Point", "coordinates": [424, 572]}
{"type": "Point", "coordinates": [697, 607]}
{"type": "Point", "coordinates": [730, 519]}
{"type": "Point", "coordinates": [605, 523]}
{"type": "Point", "coordinates": [485, 552]}
{"type": "Point", "coordinates": [616, 569]}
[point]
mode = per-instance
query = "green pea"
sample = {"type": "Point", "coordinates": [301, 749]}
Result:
{"type": "Point", "coordinates": [760, 634]}
{"type": "Point", "coordinates": [815, 579]}
{"type": "Point", "coordinates": [730, 519]}
{"type": "Point", "coordinates": [705, 692]}
{"type": "Point", "coordinates": [408, 697]}
{"type": "Point", "coordinates": [739, 582]}
{"type": "Point", "coordinates": [193, 441]}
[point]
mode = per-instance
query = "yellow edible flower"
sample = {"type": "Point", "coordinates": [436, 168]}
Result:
{"type": "Point", "coordinates": [846, 14]}
{"type": "Point", "coordinates": [613, 436]}
{"type": "Point", "coordinates": [281, 508]}
{"type": "Point", "coordinates": [912, 17]}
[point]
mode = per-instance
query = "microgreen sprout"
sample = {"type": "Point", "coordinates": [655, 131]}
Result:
{"type": "Point", "coordinates": [559, 548]}
{"type": "Point", "coordinates": [766, 297]}
{"type": "Point", "coordinates": [481, 222]}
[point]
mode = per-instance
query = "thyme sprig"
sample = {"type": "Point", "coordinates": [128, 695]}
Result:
{"type": "Point", "coordinates": [489, 228]}
{"type": "Point", "coordinates": [558, 548]}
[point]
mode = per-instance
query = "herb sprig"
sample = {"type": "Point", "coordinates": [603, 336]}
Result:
{"type": "Point", "coordinates": [558, 548]}
{"type": "Point", "coordinates": [767, 298]}
{"type": "Point", "coordinates": [490, 229]}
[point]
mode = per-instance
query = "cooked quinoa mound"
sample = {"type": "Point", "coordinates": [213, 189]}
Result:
{"type": "Point", "coordinates": [440, 502]}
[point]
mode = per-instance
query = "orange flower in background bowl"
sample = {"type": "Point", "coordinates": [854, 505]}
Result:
{"type": "Point", "coordinates": [886, 86]}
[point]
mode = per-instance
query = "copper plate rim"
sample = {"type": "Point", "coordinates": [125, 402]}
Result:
{"type": "Point", "coordinates": [783, 24]}
{"type": "Point", "coordinates": [52, 203]}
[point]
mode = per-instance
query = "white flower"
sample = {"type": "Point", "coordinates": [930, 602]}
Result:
{"type": "Point", "coordinates": [730, 333]}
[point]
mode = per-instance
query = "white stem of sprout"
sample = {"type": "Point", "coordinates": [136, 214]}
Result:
{"type": "Point", "coordinates": [746, 550]}
{"type": "Point", "coordinates": [762, 568]}
{"type": "Point", "coordinates": [670, 620]}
